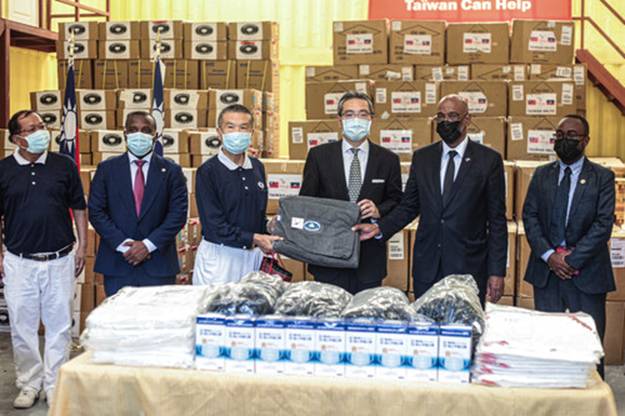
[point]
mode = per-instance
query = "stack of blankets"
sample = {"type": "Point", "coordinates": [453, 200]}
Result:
{"type": "Point", "coordinates": [524, 348]}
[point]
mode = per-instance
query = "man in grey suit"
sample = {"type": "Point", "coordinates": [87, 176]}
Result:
{"type": "Point", "coordinates": [568, 216]}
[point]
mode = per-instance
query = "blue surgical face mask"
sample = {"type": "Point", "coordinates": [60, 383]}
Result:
{"type": "Point", "coordinates": [38, 141]}
{"type": "Point", "coordinates": [356, 129]}
{"type": "Point", "coordinates": [140, 144]}
{"type": "Point", "coordinates": [237, 142]}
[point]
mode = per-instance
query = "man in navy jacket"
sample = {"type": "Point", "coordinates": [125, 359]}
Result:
{"type": "Point", "coordinates": [138, 204]}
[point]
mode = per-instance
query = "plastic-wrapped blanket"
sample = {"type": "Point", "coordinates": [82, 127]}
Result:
{"type": "Point", "coordinates": [256, 294]}
{"type": "Point", "coordinates": [453, 300]}
{"type": "Point", "coordinates": [524, 348]}
{"type": "Point", "coordinates": [381, 303]}
{"type": "Point", "coordinates": [314, 299]}
{"type": "Point", "coordinates": [147, 326]}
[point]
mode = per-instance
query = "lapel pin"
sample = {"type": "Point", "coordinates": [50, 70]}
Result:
{"type": "Point", "coordinates": [468, 159]}
{"type": "Point", "coordinates": [583, 181]}
{"type": "Point", "coordinates": [163, 170]}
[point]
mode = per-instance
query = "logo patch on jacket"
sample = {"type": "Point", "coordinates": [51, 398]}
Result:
{"type": "Point", "coordinates": [313, 226]}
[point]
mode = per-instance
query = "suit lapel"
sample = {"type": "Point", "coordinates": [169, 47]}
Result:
{"type": "Point", "coordinates": [584, 180]}
{"type": "Point", "coordinates": [371, 168]}
{"type": "Point", "coordinates": [338, 161]}
{"type": "Point", "coordinates": [156, 175]}
{"type": "Point", "coordinates": [465, 165]}
{"type": "Point", "coordinates": [551, 187]}
{"type": "Point", "coordinates": [124, 179]}
{"type": "Point", "coordinates": [435, 173]}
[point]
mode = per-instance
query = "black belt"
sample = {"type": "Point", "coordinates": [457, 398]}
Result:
{"type": "Point", "coordinates": [50, 256]}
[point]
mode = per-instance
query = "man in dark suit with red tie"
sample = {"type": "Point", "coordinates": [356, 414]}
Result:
{"type": "Point", "coordinates": [138, 204]}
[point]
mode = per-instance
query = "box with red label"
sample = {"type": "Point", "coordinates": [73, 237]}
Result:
{"type": "Point", "coordinates": [402, 136]}
{"type": "Point", "coordinates": [485, 98]}
{"type": "Point", "coordinates": [304, 135]}
{"type": "Point", "coordinates": [322, 98]}
{"type": "Point", "coordinates": [531, 138]}
{"type": "Point", "coordinates": [442, 73]}
{"type": "Point", "coordinates": [478, 43]}
{"type": "Point", "coordinates": [360, 42]}
{"type": "Point", "coordinates": [550, 72]}
{"type": "Point", "coordinates": [541, 98]}
{"type": "Point", "coordinates": [284, 178]}
{"type": "Point", "coordinates": [417, 42]}
{"type": "Point", "coordinates": [542, 41]}
{"type": "Point", "coordinates": [405, 99]}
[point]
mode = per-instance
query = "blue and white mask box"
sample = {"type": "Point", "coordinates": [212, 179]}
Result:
{"type": "Point", "coordinates": [330, 344]}
{"type": "Point", "coordinates": [270, 345]}
{"type": "Point", "coordinates": [209, 341]}
{"type": "Point", "coordinates": [392, 347]}
{"type": "Point", "coordinates": [422, 359]}
{"type": "Point", "coordinates": [454, 354]}
{"type": "Point", "coordinates": [360, 349]}
{"type": "Point", "coordinates": [300, 346]}
{"type": "Point", "coordinates": [239, 344]}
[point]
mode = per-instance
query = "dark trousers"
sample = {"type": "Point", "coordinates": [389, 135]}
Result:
{"type": "Point", "coordinates": [562, 295]}
{"type": "Point", "coordinates": [344, 278]}
{"type": "Point", "coordinates": [419, 287]}
{"type": "Point", "coordinates": [113, 283]}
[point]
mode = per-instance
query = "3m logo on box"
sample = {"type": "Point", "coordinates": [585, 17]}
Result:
{"type": "Point", "coordinates": [477, 43]}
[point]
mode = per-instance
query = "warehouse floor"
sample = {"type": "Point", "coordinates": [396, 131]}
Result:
{"type": "Point", "coordinates": [8, 391]}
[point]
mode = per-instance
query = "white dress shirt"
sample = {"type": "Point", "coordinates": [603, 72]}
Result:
{"type": "Point", "coordinates": [460, 149]}
{"type": "Point", "coordinates": [348, 157]}
{"type": "Point", "coordinates": [133, 174]}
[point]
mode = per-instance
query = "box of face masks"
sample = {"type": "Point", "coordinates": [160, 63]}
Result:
{"type": "Point", "coordinates": [270, 345]}
{"type": "Point", "coordinates": [360, 349]}
{"type": "Point", "coordinates": [454, 354]}
{"type": "Point", "coordinates": [391, 348]}
{"type": "Point", "coordinates": [300, 347]}
{"type": "Point", "coordinates": [422, 348]}
{"type": "Point", "coordinates": [239, 344]}
{"type": "Point", "coordinates": [209, 342]}
{"type": "Point", "coordinates": [330, 344]}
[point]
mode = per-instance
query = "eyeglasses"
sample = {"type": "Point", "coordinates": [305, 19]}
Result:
{"type": "Point", "coordinates": [571, 135]}
{"type": "Point", "coordinates": [32, 129]}
{"type": "Point", "coordinates": [453, 117]}
{"type": "Point", "coordinates": [353, 114]}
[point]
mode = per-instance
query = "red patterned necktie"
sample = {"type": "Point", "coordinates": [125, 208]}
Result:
{"type": "Point", "coordinates": [139, 186]}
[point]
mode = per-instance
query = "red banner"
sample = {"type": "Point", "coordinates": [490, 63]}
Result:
{"type": "Point", "coordinates": [470, 10]}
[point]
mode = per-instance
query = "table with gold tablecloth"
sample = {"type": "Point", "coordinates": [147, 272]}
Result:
{"type": "Point", "coordinates": [84, 388]}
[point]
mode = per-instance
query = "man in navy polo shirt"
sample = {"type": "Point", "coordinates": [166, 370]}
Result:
{"type": "Point", "coordinates": [37, 190]}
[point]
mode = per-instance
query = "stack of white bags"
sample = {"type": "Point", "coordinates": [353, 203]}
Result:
{"type": "Point", "coordinates": [149, 326]}
{"type": "Point", "coordinates": [524, 348]}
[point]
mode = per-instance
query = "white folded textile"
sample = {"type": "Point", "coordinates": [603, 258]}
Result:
{"type": "Point", "coordinates": [524, 348]}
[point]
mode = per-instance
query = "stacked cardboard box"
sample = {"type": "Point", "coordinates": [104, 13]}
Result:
{"type": "Point", "coordinates": [203, 144]}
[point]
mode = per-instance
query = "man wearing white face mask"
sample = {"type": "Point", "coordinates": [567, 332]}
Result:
{"type": "Point", "coordinates": [354, 169]}
{"type": "Point", "coordinates": [231, 195]}
{"type": "Point", "coordinates": [37, 190]}
{"type": "Point", "coordinates": [138, 204]}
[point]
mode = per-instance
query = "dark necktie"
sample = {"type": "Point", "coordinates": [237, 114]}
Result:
{"type": "Point", "coordinates": [355, 177]}
{"type": "Point", "coordinates": [139, 186]}
{"type": "Point", "coordinates": [561, 203]}
{"type": "Point", "coordinates": [449, 174]}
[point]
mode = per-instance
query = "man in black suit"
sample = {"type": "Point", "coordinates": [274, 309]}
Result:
{"type": "Point", "coordinates": [457, 187]}
{"type": "Point", "coordinates": [354, 169]}
{"type": "Point", "coordinates": [568, 216]}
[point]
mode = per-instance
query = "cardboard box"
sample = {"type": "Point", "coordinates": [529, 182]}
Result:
{"type": "Point", "coordinates": [405, 99]}
{"type": "Point", "coordinates": [250, 98]}
{"type": "Point", "coordinates": [218, 74]}
{"type": "Point", "coordinates": [83, 73]}
{"type": "Point", "coordinates": [322, 98]}
{"type": "Point", "coordinates": [257, 50]}
{"type": "Point", "coordinates": [183, 160]}
{"type": "Point", "coordinates": [617, 256]}
{"type": "Point", "coordinates": [506, 300]}
{"type": "Point", "coordinates": [524, 290]}
{"type": "Point", "coordinates": [205, 31]}
{"type": "Point", "coordinates": [417, 42]}
{"type": "Point", "coordinates": [98, 100]}
{"type": "Point", "coordinates": [85, 180]}
{"type": "Point", "coordinates": [175, 141]}
{"type": "Point", "coordinates": [477, 43]}
{"type": "Point", "coordinates": [204, 143]}
{"type": "Point", "coordinates": [170, 49]}
{"type": "Point", "coordinates": [577, 73]}
{"type": "Point", "coordinates": [525, 303]}
{"type": "Point", "coordinates": [531, 138]}
{"type": "Point", "coordinates": [304, 135]}
{"type": "Point", "coordinates": [360, 42]}
{"type": "Point", "coordinates": [443, 73]}
{"type": "Point", "coordinates": [542, 41]}
{"type": "Point", "coordinates": [490, 72]}
{"type": "Point", "coordinates": [108, 141]}
{"type": "Point", "coordinates": [614, 328]}
{"type": "Point", "coordinates": [166, 29]}
{"type": "Point", "coordinates": [118, 49]}
{"type": "Point", "coordinates": [619, 209]}
{"type": "Point", "coordinates": [137, 98]}
{"type": "Point", "coordinates": [88, 297]}
{"type": "Point", "coordinates": [386, 72]}
{"type": "Point", "coordinates": [185, 119]}
{"type": "Point", "coordinates": [52, 119]}
{"type": "Point", "coordinates": [99, 157]}
{"type": "Point", "coordinates": [83, 49]}
{"type": "Point", "coordinates": [81, 30]}
{"type": "Point", "coordinates": [253, 31]}
{"type": "Point", "coordinates": [271, 100]}
{"type": "Point", "coordinates": [397, 262]}
{"type": "Point", "coordinates": [541, 98]}
{"type": "Point", "coordinates": [284, 178]}
{"type": "Point", "coordinates": [524, 170]}
{"type": "Point", "coordinates": [485, 98]}
{"type": "Point", "coordinates": [185, 99]}
{"type": "Point", "coordinates": [179, 74]}
{"type": "Point", "coordinates": [119, 31]}
{"type": "Point", "coordinates": [97, 120]}
{"type": "Point", "coordinates": [402, 136]}
{"type": "Point", "coordinates": [489, 131]}
{"type": "Point", "coordinates": [122, 115]}
{"type": "Point", "coordinates": [508, 171]}
{"type": "Point", "coordinates": [83, 136]}
{"type": "Point", "coordinates": [511, 268]}
{"type": "Point", "coordinates": [206, 50]}
{"type": "Point", "coordinates": [111, 74]}
{"type": "Point", "coordinates": [259, 75]}
{"type": "Point", "coordinates": [49, 100]}
{"type": "Point", "coordinates": [331, 73]}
